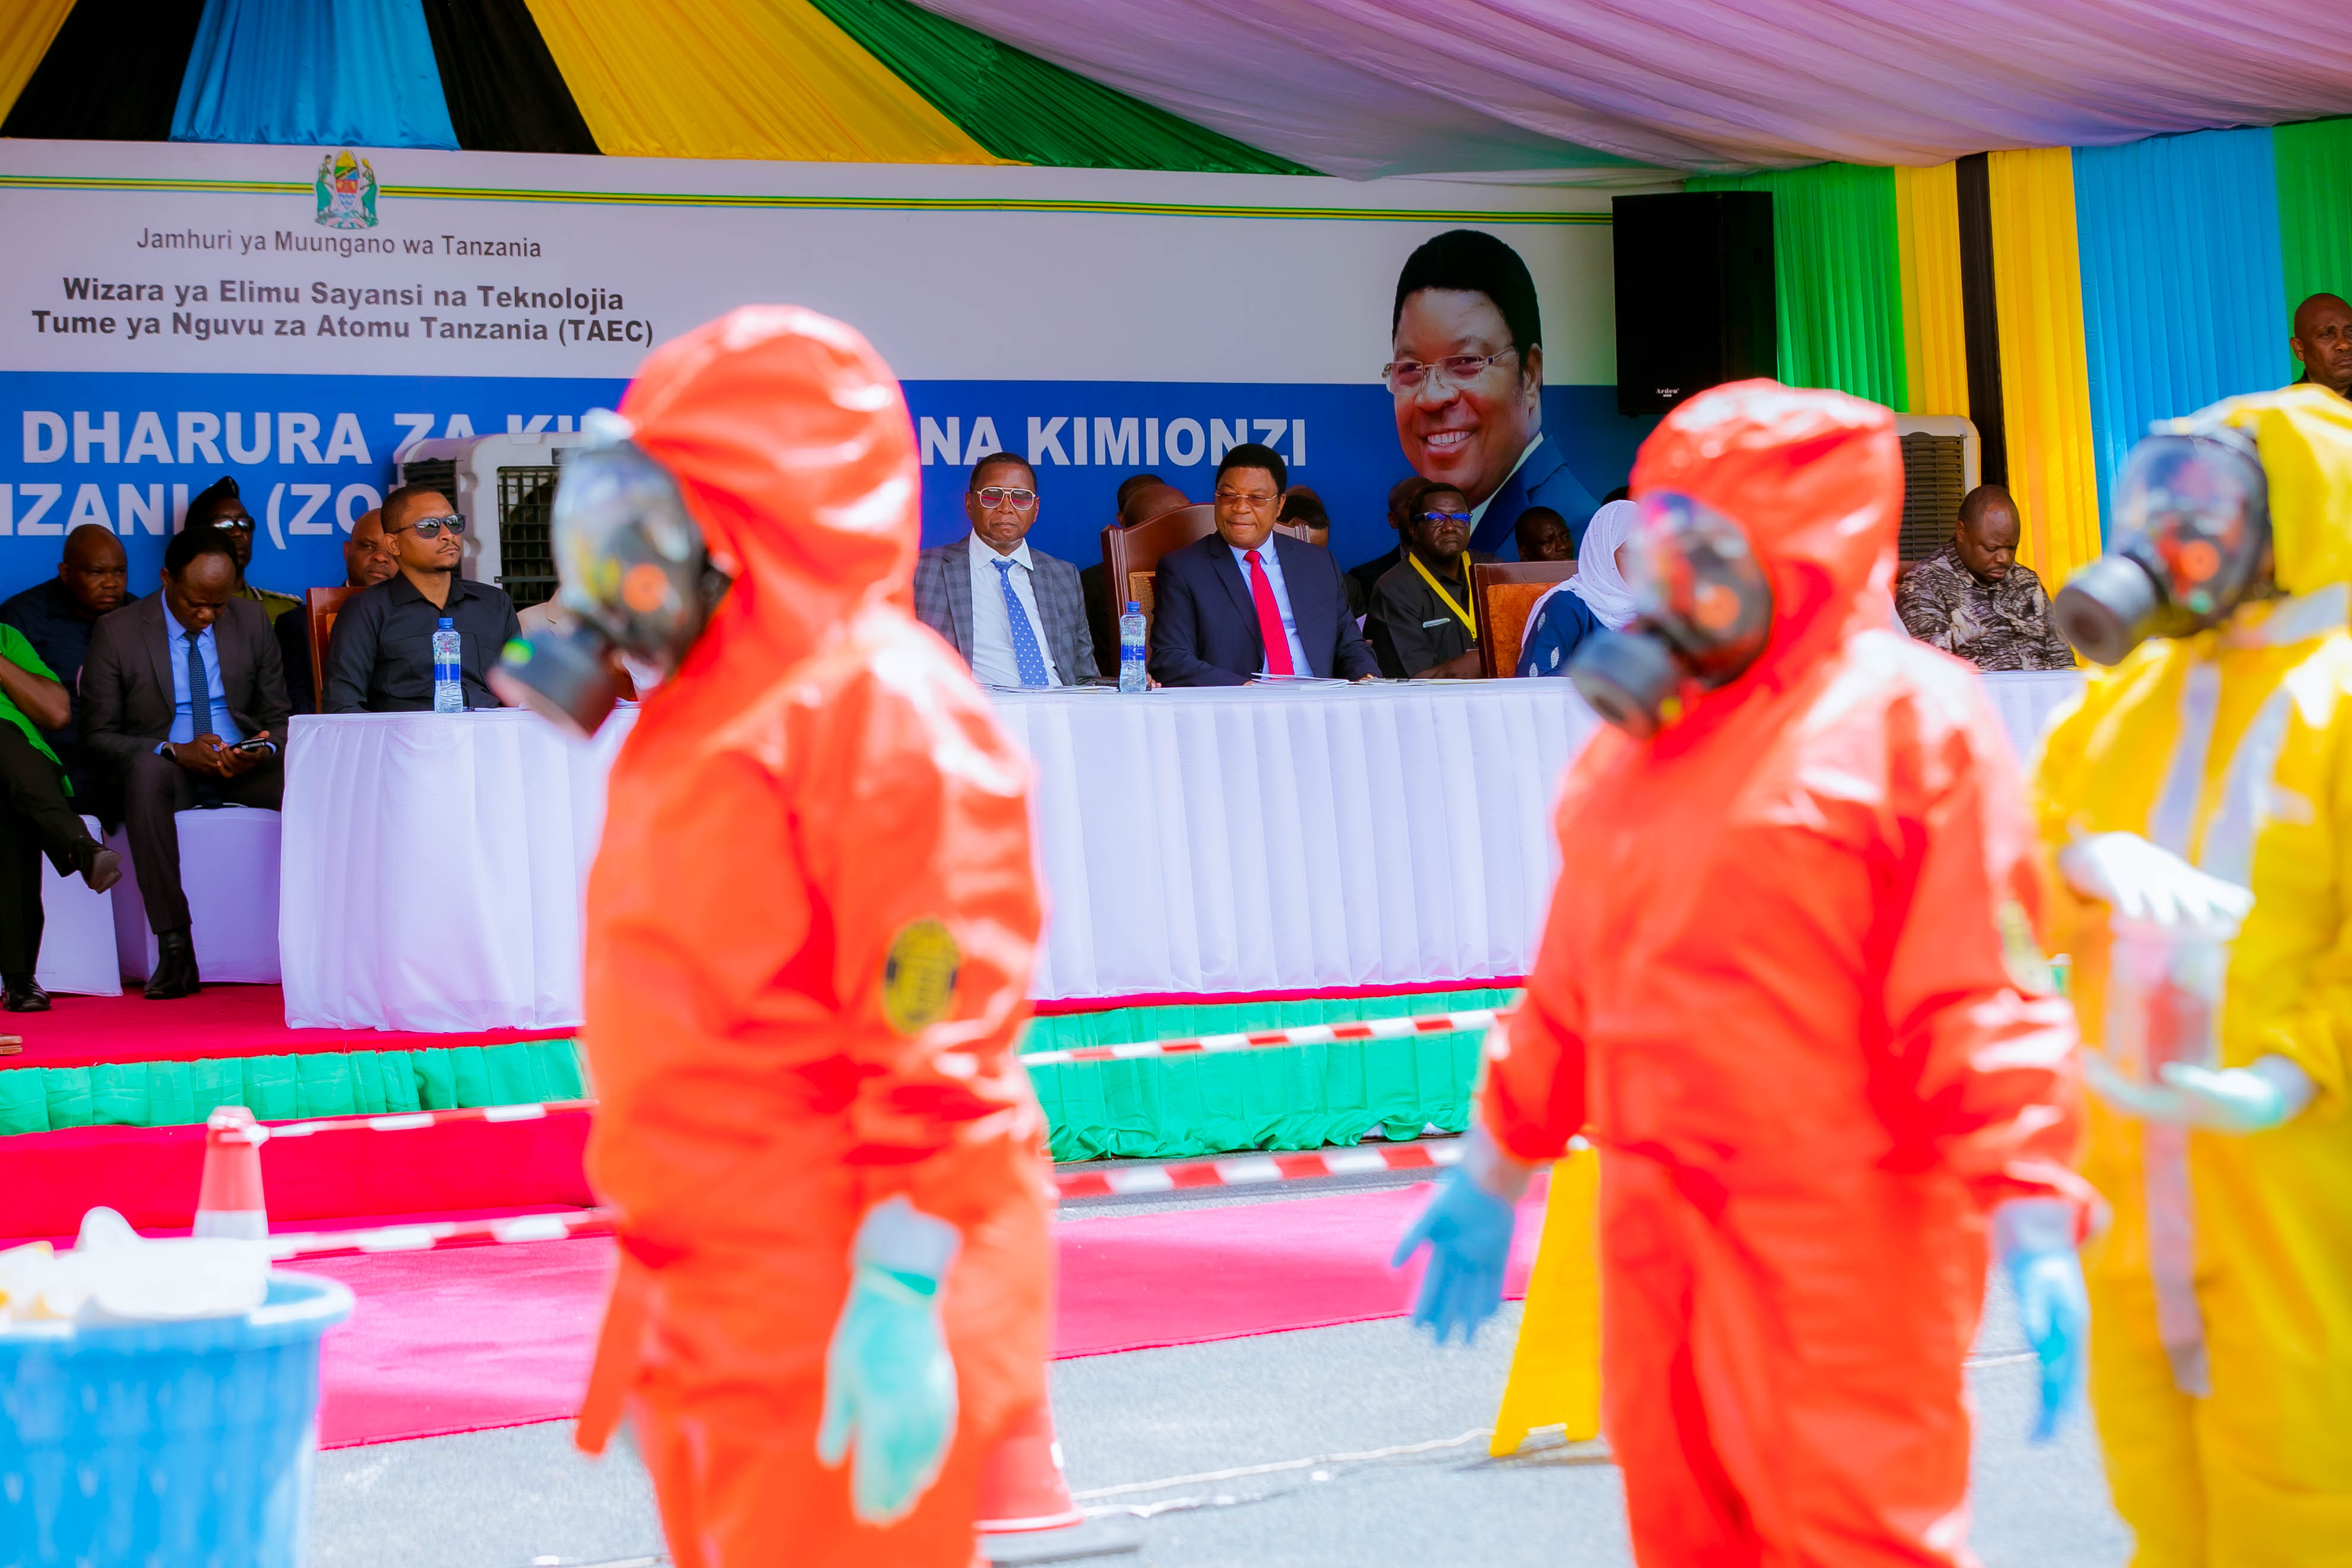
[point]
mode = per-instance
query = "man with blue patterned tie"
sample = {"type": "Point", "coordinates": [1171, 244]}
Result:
{"type": "Point", "coordinates": [1016, 615]}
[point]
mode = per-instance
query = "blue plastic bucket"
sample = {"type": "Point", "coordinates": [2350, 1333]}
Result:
{"type": "Point", "coordinates": [164, 1445]}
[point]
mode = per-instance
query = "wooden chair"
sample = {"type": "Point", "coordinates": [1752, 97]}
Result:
{"type": "Point", "coordinates": [1504, 594]}
{"type": "Point", "coordinates": [320, 608]}
{"type": "Point", "coordinates": [1130, 554]}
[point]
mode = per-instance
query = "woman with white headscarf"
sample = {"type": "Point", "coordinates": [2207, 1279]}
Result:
{"type": "Point", "coordinates": [1595, 597]}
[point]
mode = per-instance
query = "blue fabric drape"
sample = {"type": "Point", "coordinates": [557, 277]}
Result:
{"type": "Point", "coordinates": [314, 73]}
{"type": "Point", "coordinates": [2184, 299]}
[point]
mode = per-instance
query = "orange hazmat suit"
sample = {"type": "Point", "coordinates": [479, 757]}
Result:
{"type": "Point", "coordinates": [1789, 981]}
{"type": "Point", "coordinates": [810, 931]}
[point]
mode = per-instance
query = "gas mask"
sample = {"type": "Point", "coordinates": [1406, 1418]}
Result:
{"type": "Point", "coordinates": [636, 581]}
{"type": "Point", "coordinates": [1703, 612]}
{"type": "Point", "coordinates": [2193, 543]}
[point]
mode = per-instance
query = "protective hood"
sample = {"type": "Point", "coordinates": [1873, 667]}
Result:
{"type": "Point", "coordinates": [2304, 433]}
{"type": "Point", "coordinates": [1816, 478]}
{"type": "Point", "coordinates": [790, 440]}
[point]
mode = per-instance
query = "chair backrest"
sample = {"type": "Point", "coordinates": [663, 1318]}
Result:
{"type": "Point", "coordinates": [1130, 554]}
{"type": "Point", "coordinates": [1504, 594]}
{"type": "Point", "coordinates": [319, 608]}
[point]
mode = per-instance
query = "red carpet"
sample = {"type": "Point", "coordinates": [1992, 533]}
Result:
{"type": "Point", "coordinates": [499, 1336]}
{"type": "Point", "coordinates": [150, 1173]}
{"type": "Point", "coordinates": [219, 1021]}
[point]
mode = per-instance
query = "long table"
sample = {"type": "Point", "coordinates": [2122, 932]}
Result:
{"type": "Point", "coordinates": [1284, 838]}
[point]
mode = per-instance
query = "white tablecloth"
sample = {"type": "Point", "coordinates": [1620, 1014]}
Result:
{"type": "Point", "coordinates": [1294, 838]}
{"type": "Point", "coordinates": [2025, 699]}
{"type": "Point", "coordinates": [433, 867]}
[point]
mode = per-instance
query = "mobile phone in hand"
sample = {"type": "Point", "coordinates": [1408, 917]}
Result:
{"type": "Point", "coordinates": [258, 743]}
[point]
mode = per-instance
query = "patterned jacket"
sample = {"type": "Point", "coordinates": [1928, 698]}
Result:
{"type": "Point", "coordinates": [943, 603]}
{"type": "Point", "coordinates": [1993, 625]}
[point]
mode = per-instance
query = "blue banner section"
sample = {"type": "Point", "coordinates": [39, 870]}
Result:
{"type": "Point", "coordinates": [311, 453]}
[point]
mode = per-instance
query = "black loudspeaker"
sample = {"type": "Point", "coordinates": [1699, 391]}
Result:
{"type": "Point", "coordinates": [1695, 295]}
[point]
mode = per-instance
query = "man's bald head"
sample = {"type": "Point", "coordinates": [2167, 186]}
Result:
{"type": "Point", "coordinates": [94, 570]}
{"type": "Point", "coordinates": [1988, 533]}
{"type": "Point", "coordinates": [2323, 341]}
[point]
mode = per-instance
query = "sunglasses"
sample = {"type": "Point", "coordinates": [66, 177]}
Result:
{"type": "Point", "coordinates": [244, 524]}
{"type": "Point", "coordinates": [431, 527]}
{"type": "Point", "coordinates": [1460, 517]}
{"type": "Point", "coordinates": [996, 496]}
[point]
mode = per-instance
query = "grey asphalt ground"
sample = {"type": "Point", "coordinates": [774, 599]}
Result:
{"type": "Point", "coordinates": [519, 1497]}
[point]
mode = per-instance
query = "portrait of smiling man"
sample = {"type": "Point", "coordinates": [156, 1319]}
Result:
{"type": "Point", "coordinates": [1467, 373]}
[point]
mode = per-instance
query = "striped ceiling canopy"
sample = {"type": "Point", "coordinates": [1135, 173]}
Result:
{"type": "Point", "coordinates": [1602, 91]}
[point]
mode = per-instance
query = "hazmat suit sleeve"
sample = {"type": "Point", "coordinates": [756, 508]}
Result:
{"type": "Point", "coordinates": [1533, 1098]}
{"type": "Point", "coordinates": [1979, 1069]}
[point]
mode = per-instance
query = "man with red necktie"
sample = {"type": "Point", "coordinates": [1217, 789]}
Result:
{"type": "Point", "coordinates": [1248, 603]}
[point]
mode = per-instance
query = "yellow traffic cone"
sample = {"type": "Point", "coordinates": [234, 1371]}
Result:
{"type": "Point", "coordinates": [1556, 1369]}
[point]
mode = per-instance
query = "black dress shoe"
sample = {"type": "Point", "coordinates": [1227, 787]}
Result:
{"type": "Point", "coordinates": [100, 867]}
{"type": "Point", "coordinates": [23, 993]}
{"type": "Point", "coordinates": [176, 968]}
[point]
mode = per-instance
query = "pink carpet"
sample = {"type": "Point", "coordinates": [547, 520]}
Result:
{"type": "Point", "coordinates": [219, 1021]}
{"type": "Point", "coordinates": [500, 1336]}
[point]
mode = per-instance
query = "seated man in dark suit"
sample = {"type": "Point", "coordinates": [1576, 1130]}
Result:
{"type": "Point", "coordinates": [380, 658]}
{"type": "Point", "coordinates": [184, 692]}
{"type": "Point", "coordinates": [367, 561]}
{"type": "Point", "coordinates": [57, 615]}
{"type": "Point", "coordinates": [1248, 602]}
{"type": "Point", "coordinates": [1015, 614]}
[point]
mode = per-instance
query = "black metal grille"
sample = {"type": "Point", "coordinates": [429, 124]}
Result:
{"type": "Point", "coordinates": [526, 550]}
{"type": "Point", "coordinates": [434, 474]}
{"type": "Point", "coordinates": [1934, 479]}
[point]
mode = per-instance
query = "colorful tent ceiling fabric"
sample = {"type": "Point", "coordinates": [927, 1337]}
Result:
{"type": "Point", "coordinates": [2120, 285]}
{"type": "Point", "coordinates": [1372, 86]}
{"type": "Point", "coordinates": [816, 81]}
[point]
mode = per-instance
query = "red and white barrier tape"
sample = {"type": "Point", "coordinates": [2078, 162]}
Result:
{"type": "Point", "coordinates": [1234, 1171]}
{"type": "Point", "coordinates": [409, 1120]}
{"type": "Point", "coordinates": [426, 1237]}
{"type": "Point", "coordinates": [1270, 1039]}
{"type": "Point", "coordinates": [1247, 1170]}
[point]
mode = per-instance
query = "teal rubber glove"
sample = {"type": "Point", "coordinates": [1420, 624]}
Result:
{"type": "Point", "coordinates": [889, 1383]}
{"type": "Point", "coordinates": [1467, 1229]}
{"type": "Point", "coordinates": [2235, 1100]}
{"type": "Point", "coordinates": [2034, 1240]}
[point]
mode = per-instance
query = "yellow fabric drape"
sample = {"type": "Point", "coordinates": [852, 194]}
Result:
{"type": "Point", "coordinates": [740, 78]}
{"type": "Point", "coordinates": [2045, 387]}
{"type": "Point", "coordinates": [25, 36]}
{"type": "Point", "coordinates": [1935, 335]}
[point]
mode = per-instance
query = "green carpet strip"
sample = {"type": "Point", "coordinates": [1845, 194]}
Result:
{"type": "Point", "coordinates": [286, 1089]}
{"type": "Point", "coordinates": [1302, 1097]}
{"type": "Point", "coordinates": [1018, 106]}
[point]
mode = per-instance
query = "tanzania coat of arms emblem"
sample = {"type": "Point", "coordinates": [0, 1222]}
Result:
{"type": "Point", "coordinates": [346, 192]}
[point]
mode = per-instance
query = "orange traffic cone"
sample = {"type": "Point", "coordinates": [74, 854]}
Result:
{"type": "Point", "coordinates": [1026, 1513]}
{"type": "Point", "coordinates": [228, 1202]}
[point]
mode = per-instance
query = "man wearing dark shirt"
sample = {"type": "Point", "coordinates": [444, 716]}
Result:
{"type": "Point", "coordinates": [367, 561]}
{"type": "Point", "coordinates": [56, 616]}
{"type": "Point", "coordinates": [1369, 574]}
{"type": "Point", "coordinates": [1421, 624]}
{"type": "Point", "coordinates": [380, 659]}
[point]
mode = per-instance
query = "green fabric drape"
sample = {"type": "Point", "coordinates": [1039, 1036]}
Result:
{"type": "Point", "coordinates": [1018, 106]}
{"type": "Point", "coordinates": [1302, 1097]}
{"type": "Point", "coordinates": [2314, 161]}
{"type": "Point", "coordinates": [288, 1088]}
{"type": "Point", "coordinates": [1838, 270]}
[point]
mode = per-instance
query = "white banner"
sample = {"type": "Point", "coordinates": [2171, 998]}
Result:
{"type": "Point", "coordinates": [294, 316]}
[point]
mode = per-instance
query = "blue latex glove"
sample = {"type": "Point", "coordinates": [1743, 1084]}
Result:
{"type": "Point", "coordinates": [2236, 1101]}
{"type": "Point", "coordinates": [889, 1383]}
{"type": "Point", "coordinates": [2034, 1240]}
{"type": "Point", "coordinates": [1467, 1229]}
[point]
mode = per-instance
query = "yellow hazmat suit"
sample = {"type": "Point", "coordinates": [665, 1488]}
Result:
{"type": "Point", "coordinates": [2222, 1297]}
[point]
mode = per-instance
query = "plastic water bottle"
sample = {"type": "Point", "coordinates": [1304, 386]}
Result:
{"type": "Point", "coordinates": [1132, 676]}
{"type": "Point", "coordinates": [448, 670]}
